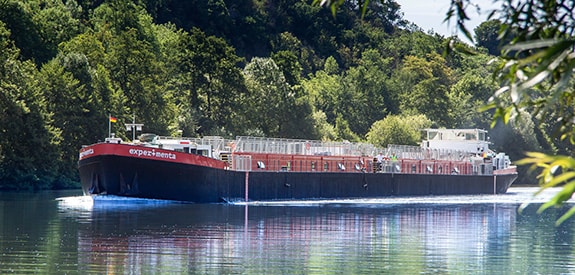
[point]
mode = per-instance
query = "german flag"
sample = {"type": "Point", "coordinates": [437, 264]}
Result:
{"type": "Point", "coordinates": [113, 119]}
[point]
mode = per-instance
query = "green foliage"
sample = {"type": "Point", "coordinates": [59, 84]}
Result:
{"type": "Point", "coordinates": [554, 171]}
{"type": "Point", "coordinates": [364, 96]}
{"type": "Point", "coordinates": [535, 72]}
{"type": "Point", "coordinates": [28, 140]}
{"type": "Point", "coordinates": [466, 96]}
{"type": "Point", "coordinates": [288, 63]}
{"type": "Point", "coordinates": [216, 79]}
{"type": "Point", "coordinates": [426, 83]}
{"type": "Point", "coordinates": [516, 138]}
{"type": "Point", "coordinates": [487, 36]}
{"type": "Point", "coordinates": [394, 129]}
{"type": "Point", "coordinates": [325, 130]}
{"type": "Point", "coordinates": [25, 32]}
{"type": "Point", "coordinates": [58, 21]}
{"type": "Point", "coordinates": [181, 66]}
{"type": "Point", "coordinates": [344, 131]}
{"type": "Point", "coordinates": [322, 90]}
{"type": "Point", "coordinates": [276, 109]}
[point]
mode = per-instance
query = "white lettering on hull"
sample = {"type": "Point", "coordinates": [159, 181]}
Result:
{"type": "Point", "coordinates": [151, 153]}
{"type": "Point", "coordinates": [86, 153]}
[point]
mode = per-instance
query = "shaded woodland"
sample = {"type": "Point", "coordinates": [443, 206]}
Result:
{"type": "Point", "coordinates": [277, 68]}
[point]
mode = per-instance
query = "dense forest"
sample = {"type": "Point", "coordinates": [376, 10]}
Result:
{"type": "Point", "coordinates": [278, 68]}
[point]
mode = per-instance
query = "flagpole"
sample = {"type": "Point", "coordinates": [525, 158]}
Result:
{"type": "Point", "coordinates": [109, 125]}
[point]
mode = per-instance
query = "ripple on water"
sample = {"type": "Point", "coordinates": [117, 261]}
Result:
{"type": "Point", "coordinates": [410, 235]}
{"type": "Point", "coordinates": [515, 195]}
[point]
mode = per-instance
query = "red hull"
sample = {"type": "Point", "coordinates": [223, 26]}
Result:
{"type": "Point", "coordinates": [137, 171]}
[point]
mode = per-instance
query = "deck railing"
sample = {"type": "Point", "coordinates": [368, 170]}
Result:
{"type": "Point", "coordinates": [301, 147]}
{"type": "Point", "coordinates": [419, 153]}
{"type": "Point", "coordinates": [318, 148]}
{"type": "Point", "coordinates": [218, 143]}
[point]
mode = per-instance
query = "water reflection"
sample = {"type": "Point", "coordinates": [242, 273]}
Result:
{"type": "Point", "coordinates": [480, 234]}
{"type": "Point", "coordinates": [330, 237]}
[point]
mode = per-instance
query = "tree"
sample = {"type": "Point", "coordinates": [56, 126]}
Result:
{"type": "Point", "coordinates": [385, 14]}
{"type": "Point", "coordinates": [486, 35]}
{"type": "Point", "coordinates": [515, 138]}
{"type": "Point", "coordinates": [275, 109]}
{"type": "Point", "coordinates": [394, 129]}
{"type": "Point", "coordinates": [65, 97]}
{"type": "Point", "coordinates": [466, 97]}
{"type": "Point", "coordinates": [216, 82]}
{"type": "Point", "coordinates": [84, 58]}
{"type": "Point", "coordinates": [26, 33]}
{"type": "Point", "coordinates": [287, 42]}
{"type": "Point", "coordinates": [28, 140]}
{"type": "Point", "coordinates": [134, 62]}
{"type": "Point", "coordinates": [364, 96]}
{"type": "Point", "coordinates": [58, 21]}
{"type": "Point", "coordinates": [322, 90]}
{"type": "Point", "coordinates": [325, 131]}
{"type": "Point", "coordinates": [287, 62]}
{"type": "Point", "coordinates": [426, 83]}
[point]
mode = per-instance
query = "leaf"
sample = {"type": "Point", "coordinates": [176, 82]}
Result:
{"type": "Point", "coordinates": [507, 114]}
{"type": "Point", "coordinates": [563, 177]}
{"type": "Point", "coordinates": [563, 195]}
{"type": "Point", "coordinates": [544, 69]}
{"type": "Point", "coordinates": [534, 155]}
{"type": "Point", "coordinates": [501, 91]}
{"type": "Point", "coordinates": [565, 216]}
{"type": "Point", "coordinates": [364, 8]}
{"type": "Point", "coordinates": [514, 94]}
{"type": "Point", "coordinates": [487, 107]}
{"type": "Point", "coordinates": [529, 45]}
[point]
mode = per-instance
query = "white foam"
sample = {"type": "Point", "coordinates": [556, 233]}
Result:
{"type": "Point", "coordinates": [515, 195]}
{"type": "Point", "coordinates": [107, 202]}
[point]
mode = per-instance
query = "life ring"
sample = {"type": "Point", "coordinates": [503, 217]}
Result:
{"type": "Point", "coordinates": [307, 146]}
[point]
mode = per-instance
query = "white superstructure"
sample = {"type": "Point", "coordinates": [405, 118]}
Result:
{"type": "Point", "coordinates": [465, 140]}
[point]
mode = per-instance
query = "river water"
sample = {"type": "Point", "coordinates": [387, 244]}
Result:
{"type": "Point", "coordinates": [65, 233]}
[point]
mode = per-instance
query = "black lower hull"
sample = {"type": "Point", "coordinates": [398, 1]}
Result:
{"type": "Point", "coordinates": [134, 177]}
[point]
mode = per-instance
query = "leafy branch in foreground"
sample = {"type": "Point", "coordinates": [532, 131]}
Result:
{"type": "Point", "coordinates": [555, 170]}
{"type": "Point", "coordinates": [535, 73]}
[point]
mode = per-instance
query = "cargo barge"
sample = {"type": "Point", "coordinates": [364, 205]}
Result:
{"type": "Point", "coordinates": [215, 170]}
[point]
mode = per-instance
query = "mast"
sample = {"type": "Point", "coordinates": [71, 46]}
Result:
{"type": "Point", "coordinates": [134, 127]}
